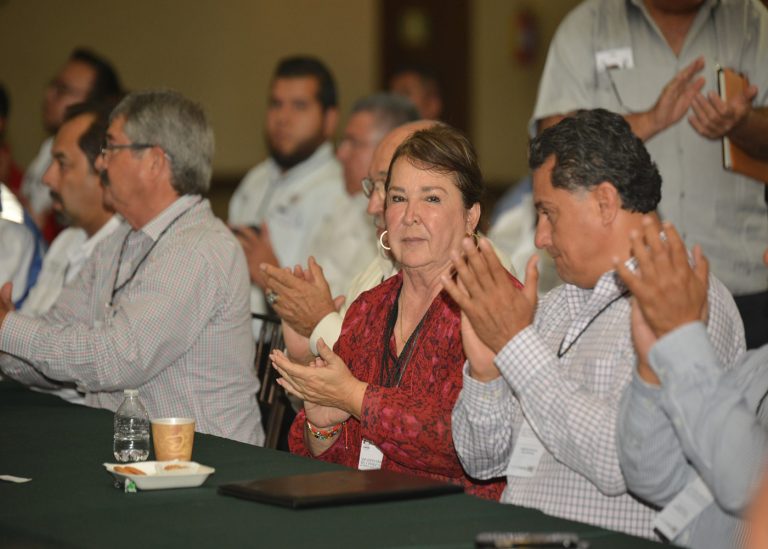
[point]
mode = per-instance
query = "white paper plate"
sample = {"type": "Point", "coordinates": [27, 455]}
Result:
{"type": "Point", "coordinates": [163, 474]}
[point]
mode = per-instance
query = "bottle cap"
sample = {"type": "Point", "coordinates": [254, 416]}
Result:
{"type": "Point", "coordinates": [131, 392]}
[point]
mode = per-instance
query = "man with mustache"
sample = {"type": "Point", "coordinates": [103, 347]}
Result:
{"type": "Point", "coordinates": [76, 193]}
{"type": "Point", "coordinates": [162, 305]}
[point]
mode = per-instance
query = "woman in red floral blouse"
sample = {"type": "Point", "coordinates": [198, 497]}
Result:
{"type": "Point", "coordinates": [384, 397]}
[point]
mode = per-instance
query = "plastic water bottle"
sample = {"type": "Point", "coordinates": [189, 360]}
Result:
{"type": "Point", "coordinates": [131, 442]}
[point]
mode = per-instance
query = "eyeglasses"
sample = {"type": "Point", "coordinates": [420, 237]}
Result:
{"type": "Point", "coordinates": [108, 148]}
{"type": "Point", "coordinates": [370, 185]}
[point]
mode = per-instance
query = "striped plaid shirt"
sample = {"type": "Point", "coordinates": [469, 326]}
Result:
{"type": "Point", "coordinates": [571, 403]}
{"type": "Point", "coordinates": [178, 328]}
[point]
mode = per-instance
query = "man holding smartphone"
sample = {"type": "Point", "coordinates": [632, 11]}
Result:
{"type": "Point", "coordinates": [291, 193]}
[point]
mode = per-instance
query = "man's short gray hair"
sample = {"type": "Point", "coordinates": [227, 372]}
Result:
{"type": "Point", "coordinates": [168, 120]}
{"type": "Point", "coordinates": [389, 110]}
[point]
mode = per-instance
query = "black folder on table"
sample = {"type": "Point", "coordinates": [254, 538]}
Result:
{"type": "Point", "coordinates": [337, 488]}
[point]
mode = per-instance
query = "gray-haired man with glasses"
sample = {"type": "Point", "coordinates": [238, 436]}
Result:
{"type": "Point", "coordinates": [162, 305]}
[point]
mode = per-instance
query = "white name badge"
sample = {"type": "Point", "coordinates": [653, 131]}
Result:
{"type": "Point", "coordinates": [526, 455]}
{"type": "Point", "coordinates": [617, 58]}
{"type": "Point", "coordinates": [683, 509]}
{"type": "Point", "coordinates": [370, 456]}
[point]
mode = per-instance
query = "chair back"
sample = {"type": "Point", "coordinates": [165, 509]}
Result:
{"type": "Point", "coordinates": [272, 399]}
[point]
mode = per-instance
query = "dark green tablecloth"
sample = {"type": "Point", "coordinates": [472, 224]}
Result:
{"type": "Point", "coordinates": [71, 501]}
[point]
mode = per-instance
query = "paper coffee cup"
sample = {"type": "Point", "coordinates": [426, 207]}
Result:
{"type": "Point", "coordinates": [173, 438]}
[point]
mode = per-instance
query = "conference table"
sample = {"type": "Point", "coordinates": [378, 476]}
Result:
{"type": "Point", "coordinates": [72, 501]}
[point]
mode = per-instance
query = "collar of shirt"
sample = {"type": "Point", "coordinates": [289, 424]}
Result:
{"type": "Point", "coordinates": [86, 249]}
{"type": "Point", "coordinates": [708, 4]}
{"type": "Point", "coordinates": [10, 207]}
{"type": "Point", "coordinates": [154, 228]}
{"type": "Point", "coordinates": [584, 304]}
{"type": "Point", "coordinates": [323, 154]}
{"type": "Point", "coordinates": [704, 12]}
{"type": "Point", "coordinates": [79, 254]}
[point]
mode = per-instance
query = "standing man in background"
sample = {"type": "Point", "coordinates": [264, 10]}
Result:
{"type": "Point", "coordinates": [654, 62]}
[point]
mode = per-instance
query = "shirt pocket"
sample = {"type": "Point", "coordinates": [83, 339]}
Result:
{"type": "Point", "coordinates": [631, 90]}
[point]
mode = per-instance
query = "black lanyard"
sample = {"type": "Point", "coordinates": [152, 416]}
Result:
{"type": "Point", "coordinates": [393, 367]}
{"type": "Point", "coordinates": [561, 352]}
{"type": "Point", "coordinates": [116, 288]}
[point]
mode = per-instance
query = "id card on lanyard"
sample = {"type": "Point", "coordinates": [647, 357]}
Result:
{"type": "Point", "coordinates": [391, 374]}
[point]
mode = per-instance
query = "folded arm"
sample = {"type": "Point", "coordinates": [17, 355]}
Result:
{"type": "Point", "coordinates": [155, 321]}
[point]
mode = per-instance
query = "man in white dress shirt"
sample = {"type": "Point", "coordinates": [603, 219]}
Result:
{"type": "Point", "coordinates": [21, 249]}
{"type": "Point", "coordinates": [76, 192]}
{"type": "Point", "coordinates": [282, 202]}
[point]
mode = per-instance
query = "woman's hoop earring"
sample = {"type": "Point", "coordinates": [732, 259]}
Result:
{"type": "Point", "coordinates": [381, 241]}
{"type": "Point", "coordinates": [475, 237]}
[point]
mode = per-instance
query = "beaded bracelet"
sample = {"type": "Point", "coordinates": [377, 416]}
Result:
{"type": "Point", "coordinates": [324, 434]}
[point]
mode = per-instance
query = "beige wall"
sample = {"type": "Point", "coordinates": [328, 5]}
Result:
{"type": "Point", "coordinates": [221, 52]}
{"type": "Point", "coordinates": [505, 90]}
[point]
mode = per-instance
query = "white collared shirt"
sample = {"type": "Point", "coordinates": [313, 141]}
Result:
{"type": "Point", "coordinates": [66, 256]}
{"type": "Point", "coordinates": [293, 204]}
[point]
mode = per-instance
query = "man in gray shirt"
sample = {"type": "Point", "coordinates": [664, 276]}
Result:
{"type": "Point", "coordinates": [689, 430]}
{"type": "Point", "coordinates": [654, 62]}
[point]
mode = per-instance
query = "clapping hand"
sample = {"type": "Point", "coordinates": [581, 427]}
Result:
{"type": "Point", "coordinates": [496, 308]}
{"type": "Point", "coordinates": [303, 296]}
{"type": "Point", "coordinates": [326, 382]}
{"type": "Point", "coordinates": [713, 118]}
{"type": "Point", "coordinates": [676, 98]}
{"type": "Point", "coordinates": [667, 292]}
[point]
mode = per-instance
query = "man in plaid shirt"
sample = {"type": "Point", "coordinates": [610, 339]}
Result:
{"type": "Point", "coordinates": [162, 304]}
{"type": "Point", "coordinates": [543, 381]}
